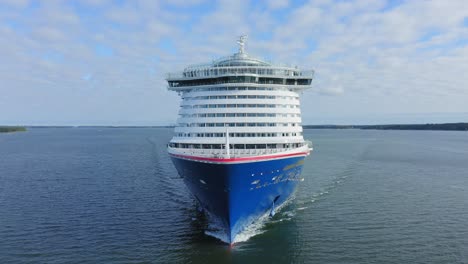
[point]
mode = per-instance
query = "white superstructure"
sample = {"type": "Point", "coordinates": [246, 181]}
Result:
{"type": "Point", "coordinates": [241, 102]}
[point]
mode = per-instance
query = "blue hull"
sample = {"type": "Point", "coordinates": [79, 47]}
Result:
{"type": "Point", "coordinates": [236, 194]}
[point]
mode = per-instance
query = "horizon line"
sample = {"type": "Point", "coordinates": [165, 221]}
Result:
{"type": "Point", "coordinates": [157, 126]}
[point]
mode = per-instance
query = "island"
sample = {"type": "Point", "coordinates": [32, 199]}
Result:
{"type": "Point", "coordinates": [446, 126]}
{"type": "Point", "coordinates": [6, 129]}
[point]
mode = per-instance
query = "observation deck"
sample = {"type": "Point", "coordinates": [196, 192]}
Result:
{"type": "Point", "coordinates": [238, 68]}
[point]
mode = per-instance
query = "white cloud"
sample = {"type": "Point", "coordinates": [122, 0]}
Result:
{"type": "Point", "coordinates": [277, 4]}
{"type": "Point", "coordinates": [16, 3]}
{"type": "Point", "coordinates": [95, 3]}
{"type": "Point", "coordinates": [368, 58]}
{"type": "Point", "coordinates": [184, 3]}
{"type": "Point", "coordinates": [49, 34]}
{"type": "Point", "coordinates": [333, 91]}
{"type": "Point", "coordinates": [124, 15]}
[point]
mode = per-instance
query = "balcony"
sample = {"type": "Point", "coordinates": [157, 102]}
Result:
{"type": "Point", "coordinates": [209, 72]}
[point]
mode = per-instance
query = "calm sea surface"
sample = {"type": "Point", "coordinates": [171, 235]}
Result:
{"type": "Point", "coordinates": [111, 195]}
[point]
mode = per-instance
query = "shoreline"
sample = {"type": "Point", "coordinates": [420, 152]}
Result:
{"type": "Point", "coordinates": [11, 129]}
{"type": "Point", "coordinates": [428, 127]}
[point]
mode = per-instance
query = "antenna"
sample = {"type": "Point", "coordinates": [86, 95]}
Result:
{"type": "Point", "coordinates": [241, 43]}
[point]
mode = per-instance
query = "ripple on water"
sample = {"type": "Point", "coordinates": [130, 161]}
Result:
{"type": "Point", "coordinates": [113, 196]}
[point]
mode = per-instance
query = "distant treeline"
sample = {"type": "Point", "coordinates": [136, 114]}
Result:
{"type": "Point", "coordinates": [329, 127]}
{"type": "Point", "coordinates": [448, 126]}
{"type": "Point", "coordinates": [5, 129]}
{"type": "Point", "coordinates": [171, 126]}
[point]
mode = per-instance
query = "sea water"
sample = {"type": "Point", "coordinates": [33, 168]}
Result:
{"type": "Point", "coordinates": [112, 195]}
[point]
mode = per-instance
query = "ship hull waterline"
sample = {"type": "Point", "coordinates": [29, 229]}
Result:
{"type": "Point", "coordinates": [234, 194]}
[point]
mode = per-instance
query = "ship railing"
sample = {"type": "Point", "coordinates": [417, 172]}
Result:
{"type": "Point", "coordinates": [236, 57]}
{"type": "Point", "coordinates": [233, 153]}
{"type": "Point", "coordinates": [224, 71]}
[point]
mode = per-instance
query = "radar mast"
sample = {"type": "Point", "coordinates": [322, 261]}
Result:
{"type": "Point", "coordinates": [241, 42]}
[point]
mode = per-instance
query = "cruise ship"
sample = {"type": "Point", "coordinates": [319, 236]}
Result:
{"type": "Point", "coordinates": [238, 142]}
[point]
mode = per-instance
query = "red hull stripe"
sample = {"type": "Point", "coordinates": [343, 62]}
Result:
{"type": "Point", "coordinates": [256, 158]}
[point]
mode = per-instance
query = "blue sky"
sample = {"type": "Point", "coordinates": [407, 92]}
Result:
{"type": "Point", "coordinates": [103, 62]}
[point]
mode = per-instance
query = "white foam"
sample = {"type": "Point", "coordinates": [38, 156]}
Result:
{"type": "Point", "coordinates": [219, 234]}
{"type": "Point", "coordinates": [289, 213]}
{"type": "Point", "coordinates": [257, 227]}
{"type": "Point", "coordinates": [280, 220]}
{"type": "Point", "coordinates": [254, 229]}
{"type": "Point", "coordinates": [215, 228]}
